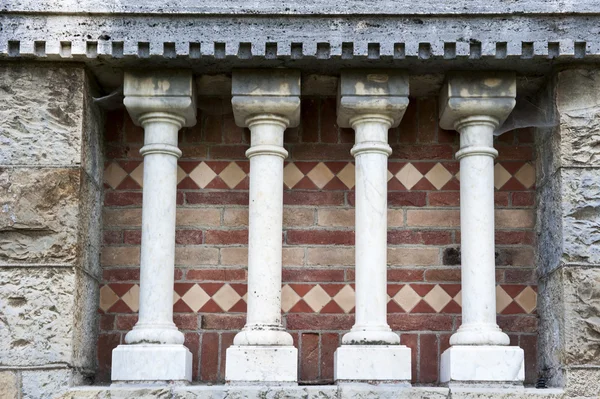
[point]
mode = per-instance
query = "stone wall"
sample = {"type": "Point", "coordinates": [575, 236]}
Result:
{"type": "Point", "coordinates": [568, 232]}
{"type": "Point", "coordinates": [50, 219]}
{"type": "Point", "coordinates": [211, 252]}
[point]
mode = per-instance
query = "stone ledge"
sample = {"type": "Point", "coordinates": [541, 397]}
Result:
{"type": "Point", "coordinates": [344, 391]}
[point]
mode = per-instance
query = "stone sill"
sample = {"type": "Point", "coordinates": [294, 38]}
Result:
{"type": "Point", "coordinates": [349, 391]}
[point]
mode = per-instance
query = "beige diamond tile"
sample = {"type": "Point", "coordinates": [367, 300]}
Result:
{"type": "Point", "coordinates": [346, 175]}
{"type": "Point", "coordinates": [226, 297]}
{"type": "Point", "coordinates": [176, 297]}
{"type": "Point", "coordinates": [138, 174]}
{"type": "Point", "coordinates": [202, 175]}
{"type": "Point", "coordinates": [457, 175]}
{"type": "Point", "coordinates": [438, 176]}
{"type": "Point", "coordinates": [345, 298]}
{"type": "Point", "coordinates": [289, 298]}
{"type": "Point", "coordinates": [458, 298]}
{"type": "Point", "coordinates": [437, 298]}
{"type": "Point", "coordinates": [407, 298]}
{"type": "Point", "coordinates": [291, 175]}
{"type": "Point", "coordinates": [317, 298]}
{"type": "Point", "coordinates": [390, 175]}
{"type": "Point", "coordinates": [527, 299]}
{"type": "Point", "coordinates": [195, 297]}
{"type": "Point", "coordinates": [409, 176]}
{"type": "Point", "coordinates": [132, 298]}
{"type": "Point", "coordinates": [501, 176]}
{"type": "Point", "coordinates": [502, 299]}
{"type": "Point", "coordinates": [180, 174]}
{"type": "Point", "coordinates": [107, 298]}
{"type": "Point", "coordinates": [114, 175]}
{"type": "Point", "coordinates": [232, 175]}
{"type": "Point", "coordinates": [320, 175]}
{"type": "Point", "coordinates": [526, 175]}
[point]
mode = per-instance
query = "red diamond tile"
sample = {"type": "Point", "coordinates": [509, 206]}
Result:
{"type": "Point", "coordinates": [182, 288]}
{"type": "Point", "coordinates": [301, 289]}
{"type": "Point", "coordinates": [240, 307]}
{"type": "Point", "coordinates": [120, 289]}
{"type": "Point", "coordinates": [181, 307]}
{"type": "Point", "coordinates": [452, 307]}
{"type": "Point", "coordinates": [187, 184]}
{"type": "Point", "coordinates": [210, 306]}
{"type": "Point", "coordinates": [301, 307]}
{"type": "Point", "coordinates": [332, 307]}
{"type": "Point", "coordinates": [393, 307]}
{"type": "Point", "coordinates": [119, 307]}
{"type": "Point", "coordinates": [422, 289]}
{"type": "Point", "coordinates": [423, 307]}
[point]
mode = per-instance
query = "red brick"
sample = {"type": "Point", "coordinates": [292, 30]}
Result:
{"type": "Point", "coordinates": [212, 128]}
{"type": "Point", "coordinates": [216, 275]}
{"type": "Point", "coordinates": [312, 275]}
{"type": "Point", "coordinates": [520, 276]}
{"type": "Point", "coordinates": [309, 110]}
{"type": "Point", "coordinates": [444, 342]}
{"type": "Point", "coordinates": [192, 342]}
{"type": "Point", "coordinates": [111, 237]}
{"type": "Point", "coordinates": [329, 344]}
{"type": "Point", "coordinates": [107, 322]}
{"type": "Point", "coordinates": [194, 151]}
{"type": "Point", "coordinates": [309, 357]}
{"type": "Point", "coordinates": [105, 345]}
{"type": "Point", "coordinates": [397, 237]}
{"type": "Point", "coordinates": [412, 341]}
{"type": "Point", "coordinates": [420, 322]}
{"type": "Point", "coordinates": [422, 152]}
{"type": "Point", "coordinates": [405, 275]}
{"type": "Point", "coordinates": [521, 323]}
{"type": "Point", "coordinates": [523, 198]}
{"type": "Point", "coordinates": [121, 275]}
{"type": "Point", "coordinates": [427, 119]}
{"type": "Point", "coordinates": [228, 151]}
{"type": "Point", "coordinates": [133, 133]}
{"type": "Point", "coordinates": [312, 322]}
{"type": "Point", "coordinates": [226, 342]}
{"type": "Point", "coordinates": [506, 138]}
{"type": "Point", "coordinates": [126, 322]}
{"type": "Point", "coordinates": [122, 198]}
{"type": "Point", "coordinates": [186, 321]}
{"type": "Point", "coordinates": [443, 275]}
{"type": "Point", "coordinates": [313, 198]}
{"type": "Point", "coordinates": [192, 134]}
{"type": "Point", "coordinates": [188, 237]}
{"type": "Point", "coordinates": [328, 125]}
{"type": "Point", "coordinates": [514, 153]}
{"type": "Point", "coordinates": [444, 198]}
{"type": "Point", "coordinates": [321, 152]}
{"type": "Point", "coordinates": [320, 237]}
{"type": "Point", "coordinates": [408, 125]}
{"type": "Point", "coordinates": [217, 198]}
{"type": "Point", "coordinates": [227, 237]}
{"type": "Point", "coordinates": [209, 354]}
{"type": "Point", "coordinates": [501, 198]}
{"type": "Point", "coordinates": [232, 133]}
{"type": "Point", "coordinates": [529, 345]}
{"type": "Point", "coordinates": [404, 198]}
{"type": "Point", "coordinates": [428, 356]}
{"type": "Point", "coordinates": [514, 237]}
{"type": "Point", "coordinates": [212, 321]}
{"type": "Point", "coordinates": [114, 126]}
{"type": "Point", "coordinates": [347, 135]}
{"type": "Point", "coordinates": [133, 237]}
{"type": "Point", "coordinates": [447, 136]}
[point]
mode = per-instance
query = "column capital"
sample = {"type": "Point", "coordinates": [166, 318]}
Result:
{"type": "Point", "coordinates": [489, 96]}
{"type": "Point", "coordinates": [169, 94]}
{"type": "Point", "coordinates": [376, 92]}
{"type": "Point", "coordinates": [258, 92]}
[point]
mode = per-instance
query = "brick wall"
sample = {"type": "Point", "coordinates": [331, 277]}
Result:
{"type": "Point", "coordinates": [423, 238]}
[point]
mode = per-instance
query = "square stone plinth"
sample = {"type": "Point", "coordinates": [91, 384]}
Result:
{"type": "Point", "coordinates": [270, 364]}
{"type": "Point", "coordinates": [473, 364]}
{"type": "Point", "coordinates": [151, 363]}
{"type": "Point", "coordinates": [372, 363]}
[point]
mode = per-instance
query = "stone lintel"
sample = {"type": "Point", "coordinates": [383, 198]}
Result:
{"type": "Point", "coordinates": [476, 93]}
{"type": "Point", "coordinates": [266, 91]}
{"type": "Point", "coordinates": [372, 91]}
{"type": "Point", "coordinates": [171, 91]}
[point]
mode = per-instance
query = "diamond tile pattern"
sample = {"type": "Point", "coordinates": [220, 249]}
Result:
{"type": "Point", "coordinates": [508, 176]}
{"type": "Point", "coordinates": [317, 298]}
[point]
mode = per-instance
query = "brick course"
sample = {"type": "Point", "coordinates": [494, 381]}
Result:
{"type": "Point", "coordinates": [318, 254]}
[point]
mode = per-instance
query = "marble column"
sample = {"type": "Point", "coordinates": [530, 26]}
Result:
{"type": "Point", "coordinates": [161, 102]}
{"type": "Point", "coordinates": [475, 104]}
{"type": "Point", "coordinates": [370, 102]}
{"type": "Point", "coordinates": [267, 102]}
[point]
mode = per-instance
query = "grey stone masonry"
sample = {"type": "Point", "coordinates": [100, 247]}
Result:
{"type": "Point", "coordinates": [50, 199]}
{"type": "Point", "coordinates": [568, 235]}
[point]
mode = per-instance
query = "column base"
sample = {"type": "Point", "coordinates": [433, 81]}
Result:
{"type": "Point", "coordinates": [390, 363]}
{"type": "Point", "coordinates": [151, 363]}
{"type": "Point", "coordinates": [264, 364]}
{"type": "Point", "coordinates": [467, 365]}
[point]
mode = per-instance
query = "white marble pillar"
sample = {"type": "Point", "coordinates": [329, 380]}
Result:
{"type": "Point", "coordinates": [475, 104]}
{"type": "Point", "coordinates": [161, 102]}
{"type": "Point", "coordinates": [267, 102]}
{"type": "Point", "coordinates": [371, 102]}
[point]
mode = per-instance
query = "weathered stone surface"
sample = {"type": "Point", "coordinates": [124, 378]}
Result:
{"type": "Point", "coordinates": [578, 106]}
{"type": "Point", "coordinates": [40, 115]}
{"type": "Point", "coordinates": [36, 309]}
{"type": "Point", "coordinates": [549, 226]}
{"type": "Point", "coordinates": [582, 383]}
{"type": "Point", "coordinates": [39, 211]}
{"type": "Point", "coordinates": [8, 385]}
{"type": "Point", "coordinates": [45, 384]}
{"type": "Point", "coordinates": [90, 225]}
{"type": "Point", "coordinates": [92, 143]}
{"type": "Point", "coordinates": [131, 392]}
{"type": "Point", "coordinates": [85, 322]}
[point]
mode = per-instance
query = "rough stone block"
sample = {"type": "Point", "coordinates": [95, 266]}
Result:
{"type": "Point", "coordinates": [372, 363]}
{"type": "Point", "coordinates": [475, 364]}
{"type": "Point", "coordinates": [40, 215]}
{"type": "Point", "coordinates": [9, 385]}
{"type": "Point", "coordinates": [40, 114]}
{"type": "Point", "coordinates": [45, 384]}
{"type": "Point", "coordinates": [151, 363]}
{"type": "Point", "coordinates": [36, 309]}
{"type": "Point", "coordinates": [261, 364]}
